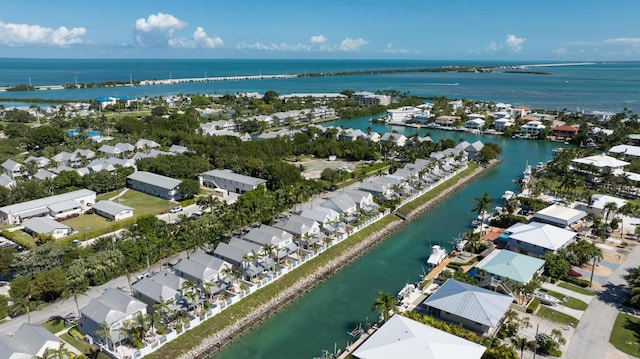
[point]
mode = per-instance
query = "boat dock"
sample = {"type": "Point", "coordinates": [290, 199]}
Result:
{"type": "Point", "coordinates": [440, 267]}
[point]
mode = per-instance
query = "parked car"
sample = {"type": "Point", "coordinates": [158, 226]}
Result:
{"type": "Point", "coordinates": [176, 209]}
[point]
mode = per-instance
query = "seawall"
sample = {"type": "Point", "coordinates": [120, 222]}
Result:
{"type": "Point", "coordinates": [215, 342]}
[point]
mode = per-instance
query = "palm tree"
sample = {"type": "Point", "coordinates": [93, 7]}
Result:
{"type": "Point", "coordinates": [385, 303]}
{"type": "Point", "coordinates": [481, 207]}
{"type": "Point", "coordinates": [104, 332]}
{"type": "Point", "coordinates": [165, 307]}
{"type": "Point", "coordinates": [271, 251]}
{"type": "Point", "coordinates": [628, 209]}
{"type": "Point", "coordinates": [520, 343]}
{"type": "Point", "coordinates": [609, 207]}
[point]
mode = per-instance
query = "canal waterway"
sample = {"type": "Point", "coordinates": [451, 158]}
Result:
{"type": "Point", "coordinates": [321, 319]}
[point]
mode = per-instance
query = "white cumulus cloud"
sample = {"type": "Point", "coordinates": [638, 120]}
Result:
{"type": "Point", "coordinates": [349, 44]}
{"type": "Point", "coordinates": [199, 39]}
{"type": "Point", "coordinates": [318, 39]}
{"type": "Point", "coordinates": [156, 30]}
{"type": "Point", "coordinates": [390, 50]}
{"type": "Point", "coordinates": [514, 43]}
{"type": "Point", "coordinates": [27, 35]}
{"type": "Point", "coordinates": [273, 47]}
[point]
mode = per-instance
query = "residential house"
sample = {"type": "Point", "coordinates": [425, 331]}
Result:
{"type": "Point", "coordinates": [111, 210]}
{"type": "Point", "coordinates": [447, 121]}
{"type": "Point", "coordinates": [559, 216]}
{"type": "Point", "coordinates": [46, 226]}
{"type": "Point", "coordinates": [143, 144]}
{"type": "Point", "coordinates": [341, 203]}
{"type": "Point", "coordinates": [300, 227]}
{"type": "Point", "coordinates": [39, 161]}
{"type": "Point", "coordinates": [125, 147]}
{"type": "Point", "coordinates": [152, 292]}
{"type": "Point", "coordinates": [472, 150]}
{"type": "Point", "coordinates": [394, 138]}
{"type": "Point", "coordinates": [110, 151]}
{"type": "Point", "coordinates": [113, 308]}
{"type": "Point", "coordinates": [178, 149]}
{"type": "Point", "coordinates": [29, 341]}
{"type": "Point", "coordinates": [6, 181]}
{"type": "Point", "coordinates": [532, 128]}
{"type": "Point", "coordinates": [502, 123]}
{"type": "Point", "coordinates": [43, 174]}
{"type": "Point", "coordinates": [538, 238]}
{"type": "Point", "coordinates": [602, 162]}
{"type": "Point", "coordinates": [401, 337]}
{"type": "Point", "coordinates": [228, 180]}
{"type": "Point", "coordinates": [204, 275]}
{"type": "Point", "coordinates": [267, 235]}
{"type": "Point", "coordinates": [155, 185]}
{"type": "Point", "coordinates": [363, 199]}
{"type": "Point", "coordinates": [54, 205]}
{"type": "Point", "coordinates": [475, 124]}
{"type": "Point", "coordinates": [402, 114]}
{"type": "Point", "coordinates": [599, 202]}
{"type": "Point", "coordinates": [322, 215]}
{"type": "Point", "coordinates": [476, 309]}
{"type": "Point", "coordinates": [13, 169]}
{"type": "Point", "coordinates": [369, 98]}
{"type": "Point", "coordinates": [564, 131]}
{"type": "Point", "coordinates": [504, 268]}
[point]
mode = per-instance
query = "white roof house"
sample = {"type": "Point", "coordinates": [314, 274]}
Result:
{"type": "Point", "coordinates": [6, 181]}
{"type": "Point", "coordinates": [628, 151]}
{"type": "Point", "coordinates": [532, 127]}
{"type": "Point", "coordinates": [603, 163]}
{"type": "Point", "coordinates": [474, 124]}
{"type": "Point", "coordinates": [538, 238]}
{"type": "Point", "coordinates": [405, 338]}
{"type": "Point", "coordinates": [599, 201]}
{"type": "Point", "coordinates": [477, 309]}
{"type": "Point", "coordinates": [395, 138]}
{"type": "Point", "coordinates": [559, 216]}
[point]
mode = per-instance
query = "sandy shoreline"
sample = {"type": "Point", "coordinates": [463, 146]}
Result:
{"type": "Point", "coordinates": [214, 342]}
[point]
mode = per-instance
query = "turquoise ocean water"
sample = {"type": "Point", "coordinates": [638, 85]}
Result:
{"type": "Point", "coordinates": [597, 86]}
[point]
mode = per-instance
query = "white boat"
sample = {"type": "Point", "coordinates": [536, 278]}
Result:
{"type": "Point", "coordinates": [508, 195]}
{"type": "Point", "coordinates": [438, 254]}
{"type": "Point", "coordinates": [405, 291]}
{"type": "Point", "coordinates": [545, 298]}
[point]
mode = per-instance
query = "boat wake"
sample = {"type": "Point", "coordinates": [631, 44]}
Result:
{"type": "Point", "coordinates": [442, 84]}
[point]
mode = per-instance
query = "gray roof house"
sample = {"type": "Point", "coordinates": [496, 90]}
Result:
{"type": "Point", "coordinates": [12, 169]}
{"type": "Point", "coordinates": [154, 184]}
{"type": "Point", "coordinates": [112, 210]}
{"type": "Point", "coordinates": [151, 293]}
{"type": "Point", "coordinates": [27, 342]}
{"type": "Point", "coordinates": [322, 215]}
{"type": "Point", "coordinates": [192, 270]}
{"type": "Point", "coordinates": [269, 235]}
{"type": "Point", "coordinates": [299, 226]}
{"type": "Point", "coordinates": [110, 151]}
{"type": "Point", "coordinates": [39, 161]}
{"type": "Point", "coordinates": [112, 307]}
{"type": "Point", "coordinates": [476, 309]}
{"type": "Point", "coordinates": [178, 149]}
{"type": "Point", "coordinates": [43, 174]}
{"type": "Point", "coordinates": [538, 238]}
{"type": "Point", "coordinates": [125, 147]}
{"type": "Point", "coordinates": [46, 226]}
{"type": "Point", "coordinates": [341, 203]}
{"type": "Point", "coordinates": [230, 181]}
{"type": "Point", "coordinates": [401, 337]}
{"type": "Point", "coordinates": [142, 144]}
{"type": "Point", "coordinates": [6, 181]}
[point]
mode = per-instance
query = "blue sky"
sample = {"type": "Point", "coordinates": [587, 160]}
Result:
{"type": "Point", "coordinates": [563, 30]}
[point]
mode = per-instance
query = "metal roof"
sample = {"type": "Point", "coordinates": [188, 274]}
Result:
{"type": "Point", "coordinates": [229, 175]}
{"type": "Point", "coordinates": [156, 180]}
{"type": "Point", "coordinates": [45, 202]}
{"type": "Point", "coordinates": [43, 225]}
{"type": "Point", "coordinates": [401, 337]}
{"type": "Point", "coordinates": [110, 207]}
{"type": "Point", "coordinates": [470, 302]}
{"type": "Point", "coordinates": [515, 266]}
{"type": "Point", "coordinates": [541, 235]}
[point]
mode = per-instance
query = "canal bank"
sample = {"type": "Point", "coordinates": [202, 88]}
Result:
{"type": "Point", "coordinates": [321, 320]}
{"type": "Point", "coordinates": [214, 342]}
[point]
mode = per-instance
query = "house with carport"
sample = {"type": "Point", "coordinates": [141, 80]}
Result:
{"type": "Point", "coordinates": [59, 206]}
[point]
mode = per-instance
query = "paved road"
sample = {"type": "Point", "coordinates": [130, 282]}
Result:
{"type": "Point", "coordinates": [63, 307]}
{"type": "Point", "coordinates": [591, 338]}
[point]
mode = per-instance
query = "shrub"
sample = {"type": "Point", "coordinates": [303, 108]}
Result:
{"type": "Point", "coordinates": [76, 333]}
{"type": "Point", "coordinates": [533, 306]}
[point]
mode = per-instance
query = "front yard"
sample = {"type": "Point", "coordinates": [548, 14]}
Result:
{"type": "Point", "coordinates": [625, 335]}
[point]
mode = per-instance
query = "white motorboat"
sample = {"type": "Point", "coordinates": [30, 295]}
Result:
{"type": "Point", "coordinates": [507, 195]}
{"type": "Point", "coordinates": [545, 298]}
{"type": "Point", "coordinates": [438, 254]}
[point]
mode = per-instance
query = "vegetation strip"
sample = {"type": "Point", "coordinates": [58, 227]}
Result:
{"type": "Point", "coordinates": [575, 288]}
{"type": "Point", "coordinates": [212, 335]}
{"type": "Point", "coordinates": [556, 316]}
{"type": "Point", "coordinates": [624, 335]}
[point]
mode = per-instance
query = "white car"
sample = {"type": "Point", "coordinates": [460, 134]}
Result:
{"type": "Point", "coordinates": [176, 209]}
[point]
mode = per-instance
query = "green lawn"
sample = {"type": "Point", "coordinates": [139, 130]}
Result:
{"type": "Point", "coordinates": [555, 316]}
{"type": "Point", "coordinates": [571, 302]}
{"type": "Point", "coordinates": [53, 326]}
{"type": "Point", "coordinates": [625, 334]}
{"type": "Point", "coordinates": [78, 344]}
{"type": "Point", "coordinates": [144, 203]}
{"type": "Point", "coordinates": [575, 288]}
